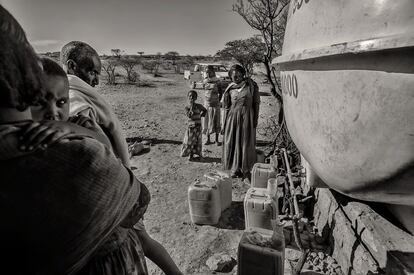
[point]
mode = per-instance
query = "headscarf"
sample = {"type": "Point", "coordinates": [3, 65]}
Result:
{"type": "Point", "coordinates": [21, 76]}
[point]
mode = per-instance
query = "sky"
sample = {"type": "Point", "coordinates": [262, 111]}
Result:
{"type": "Point", "coordinates": [195, 27]}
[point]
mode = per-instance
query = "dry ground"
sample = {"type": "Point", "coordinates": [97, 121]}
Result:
{"type": "Point", "coordinates": [157, 114]}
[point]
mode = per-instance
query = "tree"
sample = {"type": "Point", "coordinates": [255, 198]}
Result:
{"type": "Point", "coordinates": [116, 52]}
{"type": "Point", "coordinates": [152, 66]}
{"type": "Point", "coordinates": [109, 67]}
{"type": "Point", "coordinates": [245, 51]}
{"type": "Point", "coordinates": [269, 18]}
{"type": "Point", "coordinates": [172, 55]}
{"type": "Point", "coordinates": [184, 63]}
{"type": "Point", "coordinates": [140, 53]}
{"type": "Point", "coordinates": [129, 66]}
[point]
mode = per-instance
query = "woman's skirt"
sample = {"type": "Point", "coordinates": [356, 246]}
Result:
{"type": "Point", "coordinates": [192, 143]}
{"type": "Point", "coordinates": [211, 122]}
{"type": "Point", "coordinates": [239, 140]}
{"type": "Point", "coordinates": [120, 254]}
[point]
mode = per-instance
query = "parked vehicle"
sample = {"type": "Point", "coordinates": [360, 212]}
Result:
{"type": "Point", "coordinates": [197, 75]}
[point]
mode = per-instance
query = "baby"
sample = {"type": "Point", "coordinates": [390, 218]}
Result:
{"type": "Point", "coordinates": [55, 107]}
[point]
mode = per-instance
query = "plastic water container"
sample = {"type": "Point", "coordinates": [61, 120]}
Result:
{"type": "Point", "coordinates": [256, 255]}
{"type": "Point", "coordinates": [204, 202]}
{"type": "Point", "coordinates": [261, 172]}
{"type": "Point", "coordinates": [259, 208]}
{"type": "Point", "coordinates": [260, 156]}
{"type": "Point", "coordinates": [225, 187]}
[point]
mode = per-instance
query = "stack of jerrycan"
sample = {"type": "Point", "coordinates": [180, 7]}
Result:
{"type": "Point", "coordinates": [259, 207]}
{"type": "Point", "coordinates": [209, 198]}
{"type": "Point", "coordinates": [262, 246]}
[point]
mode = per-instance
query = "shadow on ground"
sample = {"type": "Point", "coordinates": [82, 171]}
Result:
{"type": "Point", "coordinates": [232, 217]}
{"type": "Point", "coordinates": [207, 160]}
{"type": "Point", "coordinates": [153, 140]}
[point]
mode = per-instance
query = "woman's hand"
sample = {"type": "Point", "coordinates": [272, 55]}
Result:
{"type": "Point", "coordinates": [81, 121]}
{"type": "Point", "coordinates": [40, 135]}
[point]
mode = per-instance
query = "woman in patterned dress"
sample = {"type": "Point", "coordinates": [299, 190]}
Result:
{"type": "Point", "coordinates": [192, 143]}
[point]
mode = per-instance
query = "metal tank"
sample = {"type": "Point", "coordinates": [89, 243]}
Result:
{"type": "Point", "coordinates": [347, 73]}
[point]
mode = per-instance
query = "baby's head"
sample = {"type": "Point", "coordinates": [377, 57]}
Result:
{"type": "Point", "coordinates": [55, 106]}
{"type": "Point", "coordinates": [192, 96]}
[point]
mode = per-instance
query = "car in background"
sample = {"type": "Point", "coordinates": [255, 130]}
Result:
{"type": "Point", "coordinates": [197, 76]}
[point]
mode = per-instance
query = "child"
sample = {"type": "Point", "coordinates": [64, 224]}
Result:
{"type": "Point", "coordinates": [212, 104]}
{"type": "Point", "coordinates": [192, 143]}
{"type": "Point", "coordinates": [56, 108]}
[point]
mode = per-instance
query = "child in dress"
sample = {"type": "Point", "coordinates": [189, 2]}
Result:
{"type": "Point", "coordinates": [192, 143]}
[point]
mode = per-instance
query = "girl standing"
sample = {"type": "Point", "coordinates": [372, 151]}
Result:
{"type": "Point", "coordinates": [192, 143]}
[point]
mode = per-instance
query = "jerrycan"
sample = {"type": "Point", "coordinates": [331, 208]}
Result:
{"type": "Point", "coordinates": [260, 253]}
{"type": "Point", "coordinates": [261, 172]}
{"type": "Point", "coordinates": [259, 208]}
{"type": "Point", "coordinates": [260, 156]}
{"type": "Point", "coordinates": [224, 185]}
{"type": "Point", "coordinates": [204, 202]}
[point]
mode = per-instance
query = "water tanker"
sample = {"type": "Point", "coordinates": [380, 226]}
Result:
{"type": "Point", "coordinates": [347, 74]}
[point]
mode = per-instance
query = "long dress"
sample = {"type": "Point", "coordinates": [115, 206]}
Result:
{"type": "Point", "coordinates": [192, 143]}
{"type": "Point", "coordinates": [211, 122]}
{"type": "Point", "coordinates": [241, 103]}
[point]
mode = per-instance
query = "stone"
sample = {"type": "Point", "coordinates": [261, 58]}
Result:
{"type": "Point", "coordinates": [350, 253]}
{"type": "Point", "coordinates": [321, 255]}
{"type": "Point", "coordinates": [330, 260]}
{"type": "Point", "coordinates": [315, 262]}
{"type": "Point", "coordinates": [135, 148]}
{"type": "Point", "coordinates": [378, 234]}
{"type": "Point", "coordinates": [335, 266]}
{"type": "Point", "coordinates": [221, 262]}
{"type": "Point", "coordinates": [313, 255]}
{"type": "Point", "coordinates": [146, 142]}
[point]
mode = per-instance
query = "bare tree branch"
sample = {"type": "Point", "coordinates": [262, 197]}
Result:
{"type": "Point", "coordinates": [269, 18]}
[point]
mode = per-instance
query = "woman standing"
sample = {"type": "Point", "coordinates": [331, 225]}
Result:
{"type": "Point", "coordinates": [212, 104]}
{"type": "Point", "coordinates": [241, 112]}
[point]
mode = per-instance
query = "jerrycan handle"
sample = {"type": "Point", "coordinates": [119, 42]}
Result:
{"type": "Point", "coordinates": [257, 196]}
{"type": "Point", "coordinates": [201, 185]}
